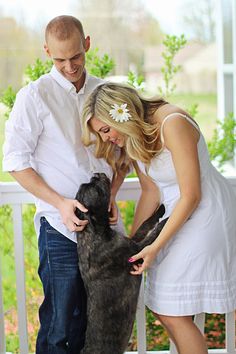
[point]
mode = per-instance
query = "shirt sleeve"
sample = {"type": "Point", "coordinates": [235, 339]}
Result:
{"type": "Point", "coordinates": [22, 131]}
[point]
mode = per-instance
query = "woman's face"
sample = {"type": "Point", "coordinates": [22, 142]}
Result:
{"type": "Point", "coordinates": [106, 132]}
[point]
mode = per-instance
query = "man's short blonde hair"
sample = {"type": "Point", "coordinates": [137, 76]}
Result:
{"type": "Point", "coordinates": [63, 27]}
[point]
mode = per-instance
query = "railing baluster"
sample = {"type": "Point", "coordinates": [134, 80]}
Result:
{"type": "Point", "coordinates": [141, 322]}
{"type": "Point", "coordinates": [2, 329]}
{"type": "Point", "coordinates": [199, 320]}
{"type": "Point", "coordinates": [173, 349]}
{"type": "Point", "coordinates": [20, 278]}
{"type": "Point", "coordinates": [230, 332]}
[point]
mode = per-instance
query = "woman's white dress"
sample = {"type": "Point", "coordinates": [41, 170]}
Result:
{"type": "Point", "coordinates": [196, 271]}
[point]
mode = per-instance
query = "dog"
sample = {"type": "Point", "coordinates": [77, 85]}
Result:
{"type": "Point", "coordinates": [112, 292]}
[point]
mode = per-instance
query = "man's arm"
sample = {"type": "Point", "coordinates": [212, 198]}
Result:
{"type": "Point", "coordinates": [33, 183]}
{"type": "Point", "coordinates": [115, 185]}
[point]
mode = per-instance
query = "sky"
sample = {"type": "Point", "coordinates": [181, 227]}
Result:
{"type": "Point", "coordinates": [36, 13]}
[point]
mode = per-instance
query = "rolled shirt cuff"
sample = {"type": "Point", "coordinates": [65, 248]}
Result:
{"type": "Point", "coordinates": [15, 163]}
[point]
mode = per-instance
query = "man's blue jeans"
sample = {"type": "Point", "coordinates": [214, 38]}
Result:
{"type": "Point", "coordinates": [62, 314]}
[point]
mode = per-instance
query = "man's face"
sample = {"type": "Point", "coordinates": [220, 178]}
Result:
{"type": "Point", "coordinates": [69, 56]}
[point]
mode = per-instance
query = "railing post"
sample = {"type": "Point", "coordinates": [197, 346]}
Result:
{"type": "Point", "coordinates": [20, 278]}
{"type": "Point", "coordinates": [2, 329]}
{"type": "Point", "coordinates": [199, 320]}
{"type": "Point", "coordinates": [141, 321]}
{"type": "Point", "coordinates": [230, 332]}
{"type": "Point", "coordinates": [173, 349]}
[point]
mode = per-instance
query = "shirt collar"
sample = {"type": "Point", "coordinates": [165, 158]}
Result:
{"type": "Point", "coordinates": [66, 84]}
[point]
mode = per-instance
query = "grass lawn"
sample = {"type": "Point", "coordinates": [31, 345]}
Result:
{"type": "Point", "coordinates": [206, 112]}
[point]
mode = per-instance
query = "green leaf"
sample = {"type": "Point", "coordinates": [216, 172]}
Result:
{"type": "Point", "coordinates": [33, 72]}
{"type": "Point", "coordinates": [8, 98]}
{"type": "Point", "coordinates": [223, 143]}
{"type": "Point", "coordinates": [99, 66]}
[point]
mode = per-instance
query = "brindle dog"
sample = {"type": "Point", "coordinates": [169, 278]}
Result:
{"type": "Point", "coordinates": [112, 292]}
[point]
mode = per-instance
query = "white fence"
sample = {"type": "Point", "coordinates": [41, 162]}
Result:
{"type": "Point", "coordinates": [11, 193]}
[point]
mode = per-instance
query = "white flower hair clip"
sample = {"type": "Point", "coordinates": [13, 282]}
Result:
{"type": "Point", "coordinates": [120, 113]}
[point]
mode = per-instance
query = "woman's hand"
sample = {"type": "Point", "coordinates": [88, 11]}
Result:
{"type": "Point", "coordinates": [148, 254]}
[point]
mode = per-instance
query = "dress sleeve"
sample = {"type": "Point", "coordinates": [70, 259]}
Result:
{"type": "Point", "coordinates": [22, 131]}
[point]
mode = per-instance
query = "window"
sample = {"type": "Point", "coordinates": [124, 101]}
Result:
{"type": "Point", "coordinates": [226, 20]}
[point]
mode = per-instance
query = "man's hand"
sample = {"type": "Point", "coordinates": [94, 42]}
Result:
{"type": "Point", "coordinates": [33, 183]}
{"type": "Point", "coordinates": [67, 209]}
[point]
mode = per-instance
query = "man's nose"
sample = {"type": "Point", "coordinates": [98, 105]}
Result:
{"type": "Point", "coordinates": [69, 65]}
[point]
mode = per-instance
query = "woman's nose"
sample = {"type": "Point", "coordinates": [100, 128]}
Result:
{"type": "Point", "coordinates": [105, 138]}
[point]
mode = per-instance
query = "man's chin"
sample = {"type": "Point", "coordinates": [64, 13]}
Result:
{"type": "Point", "coordinates": [72, 79]}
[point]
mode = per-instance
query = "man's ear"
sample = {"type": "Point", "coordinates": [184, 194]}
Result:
{"type": "Point", "coordinates": [87, 43]}
{"type": "Point", "coordinates": [47, 51]}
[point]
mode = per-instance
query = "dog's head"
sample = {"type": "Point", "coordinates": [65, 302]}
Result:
{"type": "Point", "coordinates": [95, 196]}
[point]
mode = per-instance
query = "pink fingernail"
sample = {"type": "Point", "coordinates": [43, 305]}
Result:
{"type": "Point", "coordinates": [130, 260]}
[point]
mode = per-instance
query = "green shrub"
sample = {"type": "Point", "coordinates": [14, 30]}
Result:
{"type": "Point", "coordinates": [97, 65]}
{"type": "Point", "coordinates": [223, 143]}
{"type": "Point", "coordinates": [33, 72]}
{"type": "Point", "coordinates": [172, 44]}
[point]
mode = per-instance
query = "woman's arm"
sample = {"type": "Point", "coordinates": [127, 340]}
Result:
{"type": "Point", "coordinates": [181, 140]}
{"type": "Point", "coordinates": [148, 201]}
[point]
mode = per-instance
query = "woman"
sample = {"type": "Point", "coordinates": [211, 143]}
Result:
{"type": "Point", "coordinates": [192, 264]}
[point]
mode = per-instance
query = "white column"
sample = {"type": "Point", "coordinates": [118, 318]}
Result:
{"type": "Point", "coordinates": [234, 50]}
{"type": "Point", "coordinates": [220, 62]}
{"type": "Point", "coordinates": [234, 63]}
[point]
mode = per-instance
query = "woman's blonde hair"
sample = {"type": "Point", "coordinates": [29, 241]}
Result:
{"type": "Point", "coordinates": [141, 136]}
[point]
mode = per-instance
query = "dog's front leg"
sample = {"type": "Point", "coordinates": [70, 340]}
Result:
{"type": "Point", "coordinates": [148, 224]}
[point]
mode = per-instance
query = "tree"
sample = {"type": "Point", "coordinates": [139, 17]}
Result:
{"type": "Point", "coordinates": [18, 46]}
{"type": "Point", "coordinates": [121, 31]}
{"type": "Point", "coordinates": [199, 17]}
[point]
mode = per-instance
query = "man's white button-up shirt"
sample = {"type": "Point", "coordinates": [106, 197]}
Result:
{"type": "Point", "coordinates": [44, 132]}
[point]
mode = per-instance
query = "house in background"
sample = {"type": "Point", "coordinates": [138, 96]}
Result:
{"type": "Point", "coordinates": [198, 72]}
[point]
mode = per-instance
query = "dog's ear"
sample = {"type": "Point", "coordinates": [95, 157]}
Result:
{"type": "Point", "coordinates": [81, 215]}
{"type": "Point", "coordinates": [81, 197]}
{"type": "Point", "coordinates": [94, 198]}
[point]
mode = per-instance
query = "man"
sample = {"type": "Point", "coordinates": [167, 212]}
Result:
{"type": "Point", "coordinates": [44, 153]}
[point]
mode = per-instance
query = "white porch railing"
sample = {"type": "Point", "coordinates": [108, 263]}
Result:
{"type": "Point", "coordinates": [13, 194]}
